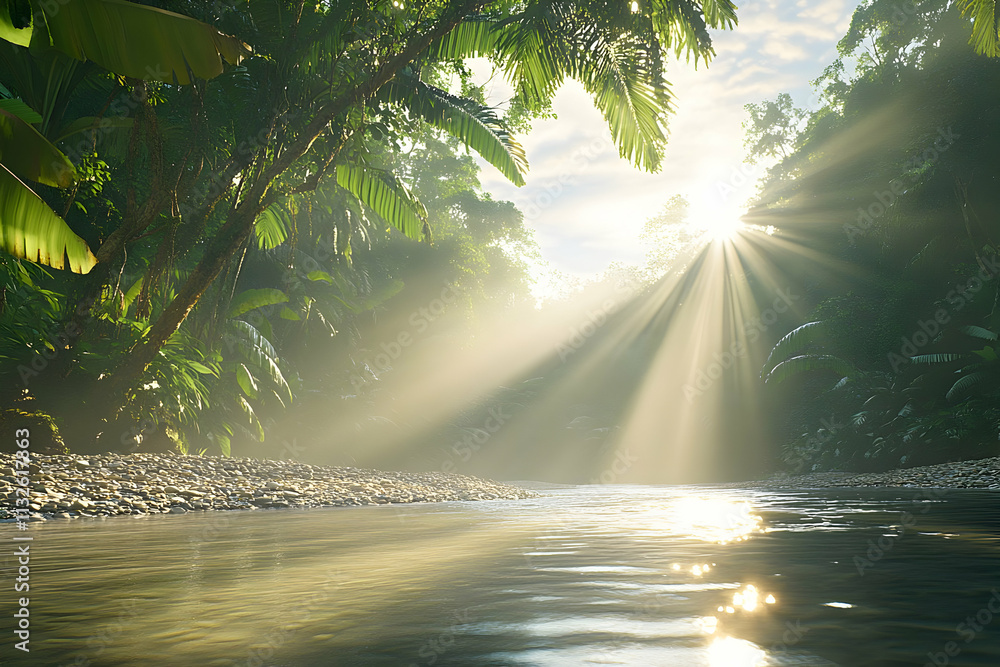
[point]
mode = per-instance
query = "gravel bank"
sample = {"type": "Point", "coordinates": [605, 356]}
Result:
{"type": "Point", "coordinates": [66, 487]}
{"type": "Point", "coordinates": [978, 474]}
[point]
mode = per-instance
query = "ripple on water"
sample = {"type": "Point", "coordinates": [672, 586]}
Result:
{"type": "Point", "coordinates": [582, 577]}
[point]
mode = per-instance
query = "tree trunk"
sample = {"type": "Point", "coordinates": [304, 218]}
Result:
{"type": "Point", "coordinates": [241, 220]}
{"type": "Point", "coordinates": [222, 247]}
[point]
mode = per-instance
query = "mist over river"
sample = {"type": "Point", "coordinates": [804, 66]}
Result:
{"type": "Point", "coordinates": [608, 575]}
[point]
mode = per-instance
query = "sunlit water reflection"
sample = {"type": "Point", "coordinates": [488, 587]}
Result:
{"type": "Point", "coordinates": [610, 575]}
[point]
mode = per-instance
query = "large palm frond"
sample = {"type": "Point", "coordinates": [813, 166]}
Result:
{"type": "Point", "coordinates": [809, 362]}
{"type": "Point", "coordinates": [614, 53]}
{"type": "Point", "coordinates": [128, 39]}
{"type": "Point", "coordinates": [31, 230]}
{"type": "Point", "coordinates": [477, 126]}
{"type": "Point", "coordinates": [383, 193]}
{"type": "Point", "coordinates": [985, 25]}
{"type": "Point", "coordinates": [794, 342]}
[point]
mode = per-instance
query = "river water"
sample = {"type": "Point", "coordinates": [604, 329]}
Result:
{"type": "Point", "coordinates": [591, 575]}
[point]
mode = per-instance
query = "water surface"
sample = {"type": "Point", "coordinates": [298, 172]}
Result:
{"type": "Point", "coordinates": [593, 575]}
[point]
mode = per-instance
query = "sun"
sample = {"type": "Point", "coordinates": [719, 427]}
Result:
{"type": "Point", "coordinates": [722, 228]}
{"type": "Point", "coordinates": [715, 221]}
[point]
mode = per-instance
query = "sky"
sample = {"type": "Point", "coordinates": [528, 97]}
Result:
{"type": "Point", "coordinates": [587, 205]}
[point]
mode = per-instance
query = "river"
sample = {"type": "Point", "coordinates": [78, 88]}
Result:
{"type": "Point", "coordinates": [589, 575]}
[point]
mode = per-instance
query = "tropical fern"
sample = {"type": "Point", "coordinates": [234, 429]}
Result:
{"type": "Point", "coordinates": [793, 342]}
{"type": "Point", "coordinates": [803, 363]}
{"type": "Point", "coordinates": [383, 193]}
{"type": "Point", "coordinates": [613, 51]}
{"type": "Point", "coordinates": [964, 386]}
{"type": "Point", "coordinates": [985, 25]}
{"type": "Point", "coordinates": [271, 228]}
{"type": "Point", "coordinates": [477, 126]}
{"type": "Point", "coordinates": [979, 332]}
{"type": "Point", "coordinates": [250, 299]}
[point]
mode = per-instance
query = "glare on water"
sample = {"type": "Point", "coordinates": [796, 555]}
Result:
{"type": "Point", "coordinates": [732, 652]}
{"type": "Point", "coordinates": [587, 575]}
{"type": "Point", "coordinates": [719, 520]}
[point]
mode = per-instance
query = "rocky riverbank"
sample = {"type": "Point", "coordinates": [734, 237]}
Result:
{"type": "Point", "coordinates": [67, 487]}
{"type": "Point", "coordinates": [978, 474]}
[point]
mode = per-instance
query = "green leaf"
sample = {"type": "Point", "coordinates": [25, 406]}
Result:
{"type": "Point", "coordinates": [140, 41]}
{"type": "Point", "coordinates": [936, 358]}
{"type": "Point", "coordinates": [804, 363]}
{"type": "Point", "coordinates": [21, 110]}
{"type": "Point", "coordinates": [201, 368]}
{"type": "Point", "coordinates": [224, 443]}
{"type": "Point", "coordinates": [793, 342]}
{"type": "Point", "coordinates": [31, 230]}
{"type": "Point", "coordinates": [289, 314]}
{"type": "Point", "coordinates": [477, 126]}
{"type": "Point", "coordinates": [258, 351]}
{"type": "Point", "coordinates": [979, 332]}
{"type": "Point", "coordinates": [271, 227]}
{"type": "Point", "coordinates": [89, 123]}
{"type": "Point", "coordinates": [132, 293]}
{"type": "Point", "coordinates": [987, 354]}
{"type": "Point", "coordinates": [382, 192]}
{"type": "Point", "coordinates": [546, 44]}
{"type": "Point", "coordinates": [246, 380]}
{"type": "Point", "coordinates": [320, 275]}
{"type": "Point", "coordinates": [383, 294]}
{"type": "Point", "coordinates": [251, 415]}
{"type": "Point", "coordinates": [19, 36]}
{"type": "Point", "coordinates": [26, 153]}
{"type": "Point", "coordinates": [985, 26]}
{"type": "Point", "coordinates": [841, 383]}
{"type": "Point", "coordinates": [255, 298]}
{"type": "Point", "coordinates": [965, 385]}
{"type": "Point", "coordinates": [476, 36]}
{"type": "Point", "coordinates": [632, 99]}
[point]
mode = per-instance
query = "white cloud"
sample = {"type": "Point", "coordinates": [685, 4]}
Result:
{"type": "Point", "coordinates": [588, 205]}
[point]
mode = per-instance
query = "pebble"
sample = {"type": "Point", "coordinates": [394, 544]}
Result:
{"type": "Point", "coordinates": [67, 487]}
{"type": "Point", "coordinates": [979, 474]}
